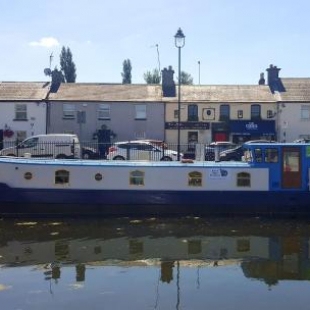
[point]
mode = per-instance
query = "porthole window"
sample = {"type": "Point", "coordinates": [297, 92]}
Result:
{"type": "Point", "coordinates": [98, 176]}
{"type": "Point", "coordinates": [28, 175]}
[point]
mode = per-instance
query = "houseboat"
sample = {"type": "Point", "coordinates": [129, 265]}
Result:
{"type": "Point", "coordinates": [271, 178]}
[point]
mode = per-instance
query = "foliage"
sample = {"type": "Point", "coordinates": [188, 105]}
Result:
{"type": "Point", "coordinates": [186, 78]}
{"type": "Point", "coordinates": [57, 79]}
{"type": "Point", "coordinates": [152, 77]}
{"type": "Point", "coordinates": [67, 65]}
{"type": "Point", "coordinates": [126, 74]}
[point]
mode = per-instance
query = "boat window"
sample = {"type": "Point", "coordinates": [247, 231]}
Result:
{"type": "Point", "coordinates": [195, 178]}
{"type": "Point", "coordinates": [271, 155]}
{"type": "Point", "coordinates": [98, 176]}
{"type": "Point", "coordinates": [28, 175]}
{"type": "Point", "coordinates": [62, 177]}
{"type": "Point", "coordinates": [243, 179]}
{"type": "Point", "coordinates": [258, 154]}
{"type": "Point", "coordinates": [136, 178]}
{"type": "Point", "coordinates": [194, 247]}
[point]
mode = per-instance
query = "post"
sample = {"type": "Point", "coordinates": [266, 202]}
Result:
{"type": "Point", "coordinates": [179, 43]}
{"type": "Point", "coordinates": [179, 106]}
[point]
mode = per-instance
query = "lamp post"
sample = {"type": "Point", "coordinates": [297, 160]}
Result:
{"type": "Point", "coordinates": [179, 43]}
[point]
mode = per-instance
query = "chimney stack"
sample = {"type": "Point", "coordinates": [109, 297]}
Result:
{"type": "Point", "coordinates": [261, 79]}
{"type": "Point", "coordinates": [273, 76]}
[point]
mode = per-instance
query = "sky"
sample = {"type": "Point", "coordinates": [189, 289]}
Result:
{"type": "Point", "coordinates": [227, 41]}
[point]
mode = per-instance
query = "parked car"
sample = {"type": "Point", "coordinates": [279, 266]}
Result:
{"type": "Point", "coordinates": [90, 153]}
{"type": "Point", "coordinates": [56, 145]}
{"type": "Point", "coordinates": [140, 150]}
{"type": "Point", "coordinates": [236, 153]}
{"type": "Point", "coordinates": [220, 146]}
{"type": "Point", "coordinates": [302, 140]}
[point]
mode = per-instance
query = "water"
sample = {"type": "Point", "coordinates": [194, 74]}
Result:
{"type": "Point", "coordinates": [153, 263]}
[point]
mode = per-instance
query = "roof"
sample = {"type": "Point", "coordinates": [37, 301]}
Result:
{"type": "Point", "coordinates": [23, 91]}
{"type": "Point", "coordinates": [149, 93]}
{"type": "Point", "coordinates": [227, 93]}
{"type": "Point", "coordinates": [295, 89]}
{"type": "Point", "coordinates": [107, 92]}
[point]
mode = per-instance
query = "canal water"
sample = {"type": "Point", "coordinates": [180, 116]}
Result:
{"type": "Point", "coordinates": [154, 263]}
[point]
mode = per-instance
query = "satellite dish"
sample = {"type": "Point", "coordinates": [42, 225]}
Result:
{"type": "Point", "coordinates": [47, 71]}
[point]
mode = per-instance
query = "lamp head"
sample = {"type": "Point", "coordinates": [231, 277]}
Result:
{"type": "Point", "coordinates": [179, 38]}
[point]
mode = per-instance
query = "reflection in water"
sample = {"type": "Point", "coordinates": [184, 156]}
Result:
{"type": "Point", "coordinates": [266, 250]}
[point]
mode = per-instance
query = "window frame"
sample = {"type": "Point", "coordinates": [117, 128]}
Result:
{"type": "Point", "coordinates": [140, 112]}
{"type": "Point", "coordinates": [21, 112]}
{"type": "Point", "coordinates": [104, 111]}
{"type": "Point", "coordinates": [69, 111]}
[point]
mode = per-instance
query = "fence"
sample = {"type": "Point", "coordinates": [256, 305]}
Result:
{"type": "Point", "coordinates": [95, 150]}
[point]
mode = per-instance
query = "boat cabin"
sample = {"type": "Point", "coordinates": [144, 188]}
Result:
{"type": "Point", "coordinates": [287, 162]}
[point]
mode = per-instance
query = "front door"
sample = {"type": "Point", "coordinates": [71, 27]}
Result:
{"type": "Point", "coordinates": [291, 168]}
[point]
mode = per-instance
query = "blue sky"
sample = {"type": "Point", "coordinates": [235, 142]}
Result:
{"type": "Point", "coordinates": [234, 40]}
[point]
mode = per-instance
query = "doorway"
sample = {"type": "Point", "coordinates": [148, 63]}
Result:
{"type": "Point", "coordinates": [291, 168]}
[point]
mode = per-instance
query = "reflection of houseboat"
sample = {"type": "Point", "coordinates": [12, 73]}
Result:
{"type": "Point", "coordinates": [272, 177]}
{"type": "Point", "coordinates": [261, 249]}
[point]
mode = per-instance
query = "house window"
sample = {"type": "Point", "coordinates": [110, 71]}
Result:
{"type": "Point", "coordinates": [68, 110]}
{"type": "Point", "coordinates": [104, 111]}
{"type": "Point", "coordinates": [305, 112]}
{"type": "Point", "coordinates": [255, 112]}
{"type": "Point", "coordinates": [243, 179]}
{"type": "Point", "coordinates": [136, 178]}
{"type": "Point", "coordinates": [176, 113]}
{"type": "Point", "coordinates": [270, 114]}
{"type": "Point", "coordinates": [61, 177]}
{"type": "Point", "coordinates": [21, 112]}
{"type": "Point", "coordinates": [195, 178]}
{"type": "Point", "coordinates": [224, 112]}
{"type": "Point", "coordinates": [192, 112]}
{"type": "Point", "coordinates": [140, 110]}
{"type": "Point", "coordinates": [240, 114]}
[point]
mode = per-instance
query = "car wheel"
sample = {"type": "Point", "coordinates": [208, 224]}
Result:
{"type": "Point", "coordinates": [166, 158]}
{"type": "Point", "coordinates": [118, 158]}
{"type": "Point", "coordinates": [86, 155]}
{"type": "Point", "coordinates": [61, 156]}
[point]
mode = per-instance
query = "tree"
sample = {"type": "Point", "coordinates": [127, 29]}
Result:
{"type": "Point", "coordinates": [152, 77]}
{"type": "Point", "coordinates": [67, 65]}
{"type": "Point", "coordinates": [186, 78]}
{"type": "Point", "coordinates": [126, 74]}
{"type": "Point", "coordinates": [57, 79]}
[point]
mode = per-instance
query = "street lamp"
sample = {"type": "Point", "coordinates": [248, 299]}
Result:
{"type": "Point", "coordinates": [179, 43]}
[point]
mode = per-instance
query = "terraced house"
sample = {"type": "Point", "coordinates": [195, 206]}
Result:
{"type": "Point", "coordinates": [278, 109]}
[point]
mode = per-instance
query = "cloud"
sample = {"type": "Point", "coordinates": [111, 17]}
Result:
{"type": "Point", "coordinates": [45, 42]}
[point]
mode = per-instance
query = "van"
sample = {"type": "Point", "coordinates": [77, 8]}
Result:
{"type": "Point", "coordinates": [46, 146]}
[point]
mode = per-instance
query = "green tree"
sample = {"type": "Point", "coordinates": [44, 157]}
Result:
{"type": "Point", "coordinates": [126, 74]}
{"type": "Point", "coordinates": [152, 77]}
{"type": "Point", "coordinates": [186, 78]}
{"type": "Point", "coordinates": [57, 79]}
{"type": "Point", "coordinates": [67, 65]}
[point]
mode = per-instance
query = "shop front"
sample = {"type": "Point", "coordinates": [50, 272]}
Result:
{"type": "Point", "coordinates": [242, 131]}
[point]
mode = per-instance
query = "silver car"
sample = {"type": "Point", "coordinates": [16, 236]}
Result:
{"type": "Point", "coordinates": [140, 150]}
